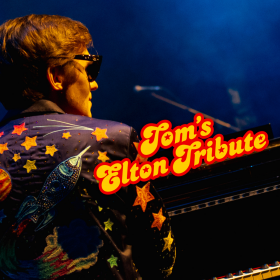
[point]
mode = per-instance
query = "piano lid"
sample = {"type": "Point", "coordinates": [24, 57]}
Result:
{"type": "Point", "coordinates": [220, 182]}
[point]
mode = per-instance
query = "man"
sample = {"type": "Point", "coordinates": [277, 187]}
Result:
{"type": "Point", "coordinates": [54, 220]}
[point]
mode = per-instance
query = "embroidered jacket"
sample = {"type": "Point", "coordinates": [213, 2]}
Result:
{"type": "Point", "coordinates": [54, 220]}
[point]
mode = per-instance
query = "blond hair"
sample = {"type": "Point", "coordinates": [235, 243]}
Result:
{"type": "Point", "coordinates": [28, 46]}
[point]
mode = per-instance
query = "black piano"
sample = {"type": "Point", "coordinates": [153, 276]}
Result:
{"type": "Point", "coordinates": [226, 217]}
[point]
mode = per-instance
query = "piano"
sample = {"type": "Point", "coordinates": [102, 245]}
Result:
{"type": "Point", "coordinates": [226, 217]}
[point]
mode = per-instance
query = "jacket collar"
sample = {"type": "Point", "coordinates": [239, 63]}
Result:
{"type": "Point", "coordinates": [40, 107]}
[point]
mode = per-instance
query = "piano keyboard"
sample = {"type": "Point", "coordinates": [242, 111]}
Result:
{"type": "Point", "coordinates": [266, 272]}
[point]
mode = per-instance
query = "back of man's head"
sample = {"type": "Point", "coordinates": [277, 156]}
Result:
{"type": "Point", "coordinates": [28, 46]}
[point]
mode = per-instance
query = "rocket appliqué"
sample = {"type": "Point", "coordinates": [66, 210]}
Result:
{"type": "Point", "coordinates": [57, 186]}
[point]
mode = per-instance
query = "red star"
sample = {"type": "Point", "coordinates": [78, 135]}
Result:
{"type": "Point", "coordinates": [18, 129]}
{"type": "Point", "coordinates": [221, 150]}
{"type": "Point", "coordinates": [260, 138]}
{"type": "Point", "coordinates": [146, 169]}
{"type": "Point", "coordinates": [1, 133]}
{"type": "Point", "coordinates": [167, 137]}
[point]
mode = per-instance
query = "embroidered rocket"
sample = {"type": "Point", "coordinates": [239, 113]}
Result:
{"type": "Point", "coordinates": [57, 186]}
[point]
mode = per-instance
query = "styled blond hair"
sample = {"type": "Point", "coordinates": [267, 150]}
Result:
{"type": "Point", "coordinates": [28, 46]}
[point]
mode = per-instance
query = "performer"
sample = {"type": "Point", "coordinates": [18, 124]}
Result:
{"type": "Point", "coordinates": [54, 220]}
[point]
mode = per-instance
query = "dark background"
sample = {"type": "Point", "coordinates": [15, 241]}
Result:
{"type": "Point", "coordinates": [218, 57]}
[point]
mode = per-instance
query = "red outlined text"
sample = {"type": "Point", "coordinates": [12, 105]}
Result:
{"type": "Point", "coordinates": [190, 148]}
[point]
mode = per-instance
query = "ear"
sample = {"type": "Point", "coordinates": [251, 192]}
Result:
{"type": "Point", "coordinates": [55, 78]}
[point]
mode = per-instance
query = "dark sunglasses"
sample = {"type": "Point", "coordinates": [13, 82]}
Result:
{"type": "Point", "coordinates": [93, 68]}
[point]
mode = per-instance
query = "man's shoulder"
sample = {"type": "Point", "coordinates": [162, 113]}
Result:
{"type": "Point", "coordinates": [48, 140]}
{"type": "Point", "coordinates": [58, 124]}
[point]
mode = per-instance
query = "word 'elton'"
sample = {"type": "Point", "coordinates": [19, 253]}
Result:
{"type": "Point", "coordinates": [189, 151]}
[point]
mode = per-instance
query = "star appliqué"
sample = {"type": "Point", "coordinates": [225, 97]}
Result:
{"type": "Point", "coordinates": [100, 133]}
{"type": "Point", "coordinates": [18, 129]}
{"type": "Point", "coordinates": [168, 242]}
{"type": "Point", "coordinates": [108, 225]}
{"type": "Point", "coordinates": [29, 142]}
{"type": "Point", "coordinates": [50, 150]}
{"type": "Point", "coordinates": [3, 148]}
{"type": "Point", "coordinates": [102, 156]}
{"type": "Point", "coordinates": [113, 261]}
{"type": "Point", "coordinates": [16, 157]}
{"type": "Point", "coordinates": [143, 196]}
{"type": "Point", "coordinates": [159, 219]}
{"type": "Point", "coordinates": [30, 165]}
{"type": "Point", "coordinates": [66, 135]}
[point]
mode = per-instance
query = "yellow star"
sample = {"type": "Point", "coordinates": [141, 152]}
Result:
{"type": "Point", "coordinates": [16, 157]}
{"type": "Point", "coordinates": [66, 135]}
{"type": "Point", "coordinates": [100, 133]}
{"type": "Point", "coordinates": [30, 164]}
{"type": "Point", "coordinates": [3, 147]}
{"type": "Point", "coordinates": [100, 208]}
{"type": "Point", "coordinates": [139, 158]}
{"type": "Point", "coordinates": [159, 219]}
{"type": "Point", "coordinates": [168, 242]}
{"type": "Point", "coordinates": [102, 156]}
{"type": "Point", "coordinates": [143, 196]}
{"type": "Point", "coordinates": [50, 150]}
{"type": "Point", "coordinates": [29, 142]}
{"type": "Point", "coordinates": [108, 225]}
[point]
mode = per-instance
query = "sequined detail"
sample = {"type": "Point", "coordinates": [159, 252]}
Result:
{"type": "Point", "coordinates": [56, 187]}
{"type": "Point", "coordinates": [143, 196]}
{"type": "Point", "coordinates": [159, 219]}
{"type": "Point", "coordinates": [168, 271]}
{"type": "Point", "coordinates": [68, 249]}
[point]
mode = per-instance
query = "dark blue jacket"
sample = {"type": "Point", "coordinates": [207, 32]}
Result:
{"type": "Point", "coordinates": [54, 220]}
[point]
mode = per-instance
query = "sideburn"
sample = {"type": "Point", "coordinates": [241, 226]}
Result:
{"type": "Point", "coordinates": [69, 72]}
